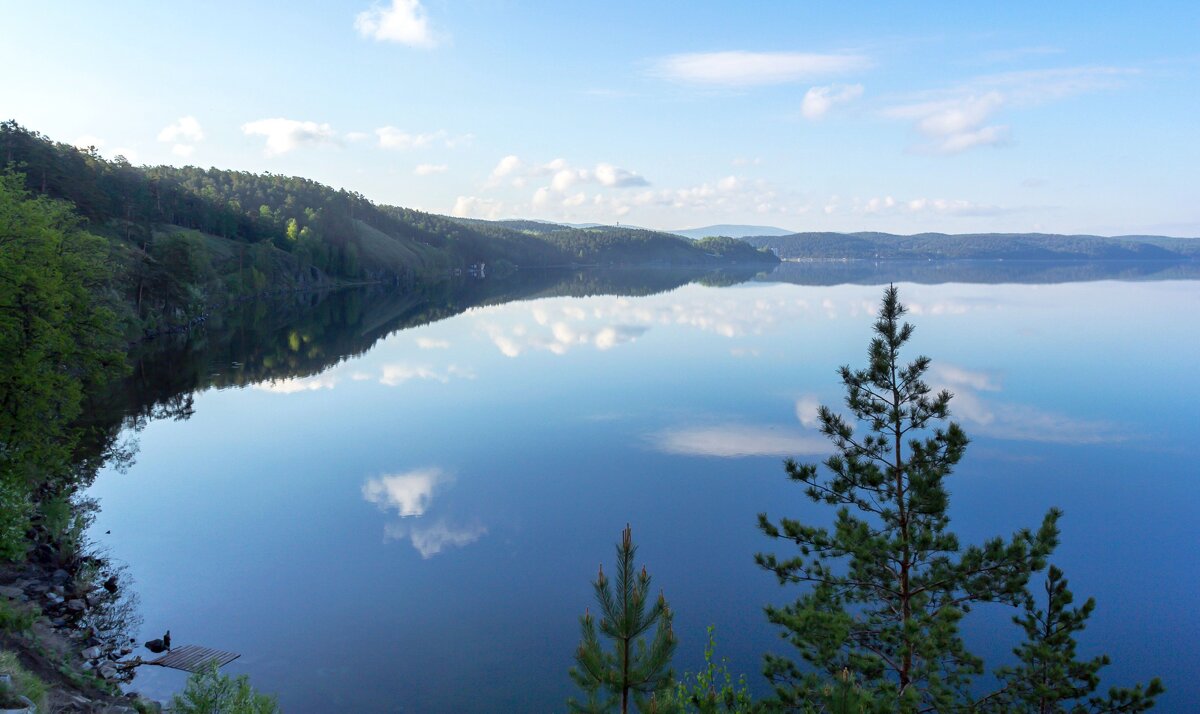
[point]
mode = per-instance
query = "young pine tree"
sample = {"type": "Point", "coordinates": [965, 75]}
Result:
{"type": "Point", "coordinates": [889, 582]}
{"type": "Point", "coordinates": [1049, 679]}
{"type": "Point", "coordinates": [633, 667]}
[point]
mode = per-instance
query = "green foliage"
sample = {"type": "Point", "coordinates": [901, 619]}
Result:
{"type": "Point", "coordinates": [1050, 679]}
{"type": "Point", "coordinates": [888, 584]}
{"type": "Point", "coordinates": [57, 340]}
{"type": "Point", "coordinates": [710, 691]}
{"type": "Point", "coordinates": [608, 678]}
{"type": "Point", "coordinates": [15, 511]}
{"type": "Point", "coordinates": [210, 692]}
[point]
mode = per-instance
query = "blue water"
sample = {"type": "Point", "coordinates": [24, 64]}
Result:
{"type": "Point", "coordinates": [416, 528]}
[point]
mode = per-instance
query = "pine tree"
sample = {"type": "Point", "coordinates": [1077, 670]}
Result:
{"type": "Point", "coordinates": [632, 667]}
{"type": "Point", "coordinates": [1049, 679]}
{"type": "Point", "coordinates": [889, 582]}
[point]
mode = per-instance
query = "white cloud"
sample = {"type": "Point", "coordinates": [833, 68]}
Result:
{"type": "Point", "coordinates": [404, 22]}
{"type": "Point", "coordinates": [430, 169]}
{"type": "Point", "coordinates": [428, 343]}
{"type": "Point", "coordinates": [409, 493]}
{"type": "Point", "coordinates": [885, 206]}
{"type": "Point", "coordinates": [475, 207]}
{"type": "Point", "coordinates": [959, 118]}
{"type": "Point", "coordinates": [956, 124]}
{"type": "Point", "coordinates": [357, 135]}
{"type": "Point", "coordinates": [284, 135]}
{"type": "Point", "coordinates": [819, 100]}
{"type": "Point", "coordinates": [183, 130]}
{"type": "Point", "coordinates": [738, 69]}
{"type": "Point", "coordinates": [609, 175]}
{"type": "Point", "coordinates": [392, 138]}
{"type": "Point", "coordinates": [183, 150]}
{"type": "Point", "coordinates": [739, 440]}
{"type": "Point", "coordinates": [507, 166]}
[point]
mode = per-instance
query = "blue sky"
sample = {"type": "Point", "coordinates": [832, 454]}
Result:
{"type": "Point", "coordinates": [1063, 117]}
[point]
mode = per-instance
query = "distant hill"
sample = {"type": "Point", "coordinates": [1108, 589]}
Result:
{"type": "Point", "coordinates": [975, 246]}
{"type": "Point", "coordinates": [730, 230]}
{"type": "Point", "coordinates": [185, 239]}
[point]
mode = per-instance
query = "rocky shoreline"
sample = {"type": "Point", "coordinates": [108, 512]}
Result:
{"type": "Point", "coordinates": [66, 629]}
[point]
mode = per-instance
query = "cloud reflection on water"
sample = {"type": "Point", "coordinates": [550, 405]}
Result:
{"type": "Point", "coordinates": [410, 495]}
{"type": "Point", "coordinates": [1015, 422]}
{"type": "Point", "coordinates": [431, 539]}
{"type": "Point", "coordinates": [739, 440]}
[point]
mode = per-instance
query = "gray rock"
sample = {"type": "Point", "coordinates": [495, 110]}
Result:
{"type": "Point", "coordinates": [108, 670]}
{"type": "Point", "coordinates": [77, 605]}
{"type": "Point", "coordinates": [54, 598]}
{"type": "Point", "coordinates": [91, 653]}
{"type": "Point", "coordinates": [12, 592]}
{"type": "Point", "coordinates": [60, 576]}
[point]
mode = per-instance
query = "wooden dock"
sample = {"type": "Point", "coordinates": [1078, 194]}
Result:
{"type": "Point", "coordinates": [193, 658]}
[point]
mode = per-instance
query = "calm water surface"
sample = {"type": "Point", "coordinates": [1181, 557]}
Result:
{"type": "Point", "coordinates": [415, 527]}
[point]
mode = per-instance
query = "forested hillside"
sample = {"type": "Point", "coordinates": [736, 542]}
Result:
{"type": "Point", "coordinates": [183, 239]}
{"type": "Point", "coordinates": [975, 246]}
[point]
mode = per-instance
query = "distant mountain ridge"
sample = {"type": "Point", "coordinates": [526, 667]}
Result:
{"type": "Point", "coordinates": [975, 246]}
{"type": "Point", "coordinates": [732, 230]}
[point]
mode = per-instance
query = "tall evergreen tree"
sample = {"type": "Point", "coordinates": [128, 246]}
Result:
{"type": "Point", "coordinates": [1049, 678]}
{"type": "Point", "coordinates": [632, 667]}
{"type": "Point", "coordinates": [889, 581]}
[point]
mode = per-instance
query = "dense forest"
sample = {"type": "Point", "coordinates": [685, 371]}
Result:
{"type": "Point", "coordinates": [975, 246]}
{"type": "Point", "coordinates": [181, 239]}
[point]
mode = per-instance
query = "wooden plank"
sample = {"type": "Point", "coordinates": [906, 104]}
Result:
{"type": "Point", "coordinates": [193, 658]}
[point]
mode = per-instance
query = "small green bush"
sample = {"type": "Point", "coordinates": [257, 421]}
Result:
{"type": "Point", "coordinates": [711, 691]}
{"type": "Point", "coordinates": [210, 692]}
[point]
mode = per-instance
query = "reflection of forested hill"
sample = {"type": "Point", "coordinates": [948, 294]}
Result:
{"type": "Point", "coordinates": [975, 246]}
{"type": "Point", "coordinates": [863, 272]}
{"type": "Point", "coordinates": [300, 335]}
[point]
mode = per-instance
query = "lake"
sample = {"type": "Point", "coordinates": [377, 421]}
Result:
{"type": "Point", "coordinates": [397, 503]}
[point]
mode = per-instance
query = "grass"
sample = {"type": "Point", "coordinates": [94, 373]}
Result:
{"type": "Point", "coordinates": [16, 618]}
{"type": "Point", "coordinates": [23, 682]}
